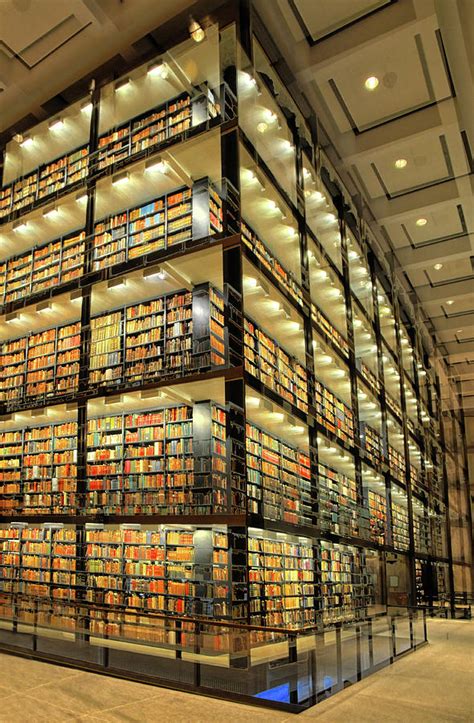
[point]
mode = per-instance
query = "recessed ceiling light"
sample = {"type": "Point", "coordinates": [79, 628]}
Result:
{"type": "Point", "coordinates": [56, 124]}
{"type": "Point", "coordinates": [438, 267]}
{"type": "Point", "coordinates": [449, 302]}
{"type": "Point", "coordinates": [421, 222]}
{"type": "Point", "coordinates": [459, 331]}
{"type": "Point", "coordinates": [262, 127]}
{"type": "Point", "coordinates": [196, 31]}
{"type": "Point", "coordinates": [401, 163]}
{"type": "Point", "coordinates": [371, 83]}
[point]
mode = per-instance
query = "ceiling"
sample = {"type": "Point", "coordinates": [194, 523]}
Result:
{"type": "Point", "coordinates": [421, 111]}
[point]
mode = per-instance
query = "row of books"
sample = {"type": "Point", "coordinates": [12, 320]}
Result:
{"type": "Point", "coordinates": [271, 263]}
{"type": "Point", "coordinates": [45, 181]}
{"type": "Point", "coordinates": [157, 337]}
{"type": "Point", "coordinates": [41, 365]}
{"type": "Point", "coordinates": [278, 478]}
{"type": "Point", "coordinates": [338, 508]}
{"type": "Point", "coordinates": [333, 414]}
{"type": "Point", "coordinates": [42, 268]}
{"type": "Point", "coordinates": [371, 441]}
{"type": "Point", "coordinates": [329, 330]}
{"type": "Point", "coordinates": [267, 361]}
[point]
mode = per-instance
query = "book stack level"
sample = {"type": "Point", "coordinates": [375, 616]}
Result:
{"type": "Point", "coordinates": [278, 478]}
{"type": "Point", "coordinates": [38, 571]}
{"type": "Point", "coordinates": [64, 172]}
{"type": "Point", "coordinates": [378, 517]}
{"type": "Point", "coordinates": [420, 591]}
{"type": "Point", "coordinates": [372, 443]}
{"type": "Point", "coordinates": [346, 588]}
{"type": "Point", "coordinates": [143, 132]}
{"type": "Point", "coordinates": [338, 510]}
{"type": "Point", "coordinates": [157, 338]}
{"type": "Point", "coordinates": [332, 414]}
{"type": "Point", "coordinates": [159, 570]}
{"type": "Point", "coordinates": [330, 332]}
{"type": "Point", "coordinates": [392, 405]}
{"type": "Point", "coordinates": [400, 533]}
{"type": "Point", "coordinates": [281, 581]}
{"type": "Point", "coordinates": [145, 464]}
{"type": "Point", "coordinates": [396, 461]}
{"type": "Point", "coordinates": [41, 365]}
{"type": "Point", "coordinates": [368, 376]}
{"type": "Point", "coordinates": [38, 470]}
{"type": "Point", "coordinates": [270, 262]}
{"type": "Point", "coordinates": [421, 532]}
{"type": "Point", "coordinates": [276, 369]}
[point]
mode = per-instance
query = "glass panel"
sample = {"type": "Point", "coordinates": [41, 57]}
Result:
{"type": "Point", "coordinates": [361, 284]}
{"type": "Point", "coordinates": [382, 640]}
{"type": "Point", "coordinates": [402, 635]}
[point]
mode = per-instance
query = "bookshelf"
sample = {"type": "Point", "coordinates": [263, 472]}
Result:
{"type": "Point", "coordinates": [160, 224]}
{"type": "Point", "coordinates": [42, 268]}
{"type": "Point", "coordinates": [421, 529]}
{"type": "Point", "coordinates": [397, 464]}
{"type": "Point", "coordinates": [63, 173]}
{"type": "Point", "coordinates": [377, 517]}
{"type": "Point", "coordinates": [329, 331]}
{"type": "Point", "coordinates": [164, 569]}
{"type": "Point", "coordinates": [278, 478]}
{"type": "Point", "coordinates": [268, 260]}
{"type": "Point", "coordinates": [11, 453]}
{"type": "Point", "coordinates": [346, 587]}
{"type": "Point", "coordinates": [333, 414]}
{"type": "Point", "coordinates": [338, 509]}
{"type": "Point", "coordinates": [400, 525]}
{"type": "Point", "coordinates": [168, 461]}
{"type": "Point", "coordinates": [372, 444]}
{"type": "Point", "coordinates": [281, 580]}
{"type": "Point", "coordinates": [42, 365]}
{"type": "Point", "coordinates": [169, 335]}
{"type": "Point", "coordinates": [267, 361]}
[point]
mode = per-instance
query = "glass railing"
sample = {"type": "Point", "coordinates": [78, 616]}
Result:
{"type": "Point", "coordinates": [276, 667]}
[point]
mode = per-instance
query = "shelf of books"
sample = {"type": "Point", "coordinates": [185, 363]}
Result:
{"type": "Point", "coordinates": [41, 365]}
{"type": "Point", "coordinates": [39, 470]}
{"type": "Point", "coordinates": [333, 414]}
{"type": "Point", "coordinates": [48, 180]}
{"type": "Point", "coordinates": [400, 523]}
{"type": "Point", "coordinates": [270, 262]}
{"type": "Point", "coordinates": [421, 529]}
{"type": "Point", "coordinates": [158, 462]}
{"type": "Point", "coordinates": [368, 376]}
{"type": "Point", "coordinates": [267, 361]}
{"type": "Point", "coordinates": [278, 478]}
{"type": "Point", "coordinates": [393, 405]}
{"type": "Point", "coordinates": [38, 575]}
{"type": "Point", "coordinates": [157, 127]}
{"type": "Point", "coordinates": [162, 223]}
{"type": "Point", "coordinates": [346, 587]}
{"type": "Point", "coordinates": [377, 516]}
{"type": "Point", "coordinates": [281, 580]}
{"type": "Point", "coordinates": [169, 336]}
{"type": "Point", "coordinates": [372, 444]}
{"type": "Point", "coordinates": [330, 332]}
{"type": "Point", "coordinates": [438, 530]}
{"type": "Point", "coordinates": [397, 464]}
{"type": "Point", "coordinates": [338, 508]}
{"type": "Point", "coordinates": [419, 586]}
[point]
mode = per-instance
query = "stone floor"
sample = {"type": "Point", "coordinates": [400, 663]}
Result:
{"type": "Point", "coordinates": [434, 684]}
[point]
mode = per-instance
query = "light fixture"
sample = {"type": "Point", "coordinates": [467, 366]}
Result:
{"type": "Point", "coordinates": [161, 70]}
{"type": "Point", "coordinates": [81, 197]}
{"type": "Point", "coordinates": [20, 226]}
{"type": "Point", "coordinates": [196, 31]}
{"type": "Point", "coordinates": [56, 124]}
{"type": "Point", "coordinates": [157, 166]}
{"type": "Point", "coordinates": [154, 271]}
{"type": "Point", "coordinates": [459, 331]}
{"type": "Point", "coordinates": [438, 267]}
{"type": "Point", "coordinates": [26, 141]}
{"type": "Point", "coordinates": [9, 318]}
{"type": "Point", "coordinates": [249, 79]}
{"type": "Point", "coordinates": [372, 82]}
{"type": "Point", "coordinates": [401, 163]}
{"type": "Point", "coordinates": [121, 84]}
{"type": "Point", "coordinates": [116, 283]}
{"type": "Point", "coordinates": [86, 107]}
{"type": "Point", "coordinates": [270, 116]}
{"type": "Point", "coordinates": [262, 127]}
{"type": "Point", "coordinates": [120, 178]}
{"type": "Point", "coordinates": [51, 212]}
{"type": "Point", "coordinates": [450, 302]}
{"type": "Point", "coordinates": [421, 221]}
{"type": "Point", "coordinates": [44, 306]}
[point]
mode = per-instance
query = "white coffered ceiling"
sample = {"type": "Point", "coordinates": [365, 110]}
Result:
{"type": "Point", "coordinates": [421, 111]}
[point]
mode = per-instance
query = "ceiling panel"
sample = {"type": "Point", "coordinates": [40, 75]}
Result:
{"type": "Point", "coordinates": [321, 19]}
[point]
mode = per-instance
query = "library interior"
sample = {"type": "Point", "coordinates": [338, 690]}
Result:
{"type": "Point", "coordinates": [236, 403]}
